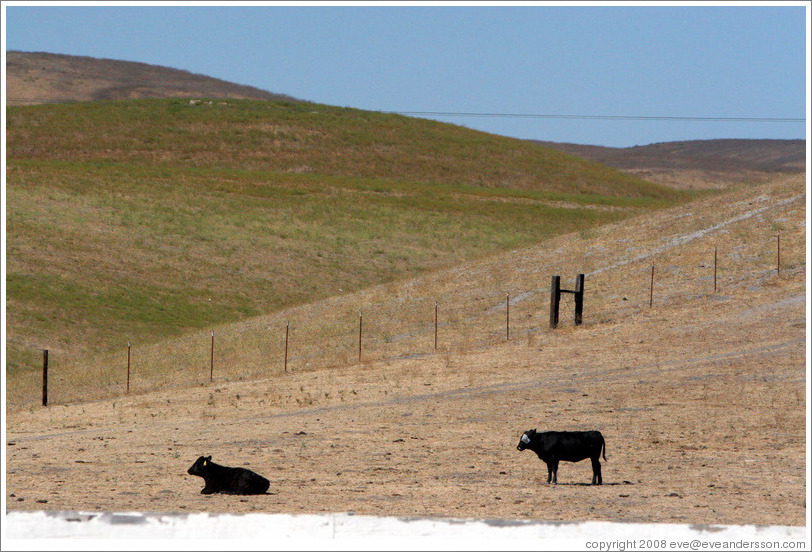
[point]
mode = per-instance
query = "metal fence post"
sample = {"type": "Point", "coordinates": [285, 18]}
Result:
{"type": "Point", "coordinates": [128, 367]}
{"type": "Point", "coordinates": [287, 332]}
{"type": "Point", "coordinates": [435, 325]}
{"type": "Point", "coordinates": [507, 317]}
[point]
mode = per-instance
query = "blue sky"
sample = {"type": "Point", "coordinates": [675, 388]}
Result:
{"type": "Point", "coordinates": [544, 62]}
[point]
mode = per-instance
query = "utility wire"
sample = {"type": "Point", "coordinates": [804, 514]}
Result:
{"type": "Point", "coordinates": [602, 117]}
{"type": "Point", "coordinates": [553, 116]}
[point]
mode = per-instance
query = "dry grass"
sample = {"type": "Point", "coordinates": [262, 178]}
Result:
{"type": "Point", "coordinates": [701, 398]}
{"type": "Point", "coordinates": [398, 318]}
{"type": "Point", "coordinates": [144, 220]}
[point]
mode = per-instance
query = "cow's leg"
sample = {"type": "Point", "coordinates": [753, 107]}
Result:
{"type": "Point", "coordinates": [549, 471]}
{"type": "Point", "coordinates": [554, 464]}
{"type": "Point", "coordinates": [596, 471]}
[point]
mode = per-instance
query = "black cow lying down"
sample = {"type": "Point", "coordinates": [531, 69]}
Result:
{"type": "Point", "coordinates": [570, 446]}
{"type": "Point", "coordinates": [222, 479]}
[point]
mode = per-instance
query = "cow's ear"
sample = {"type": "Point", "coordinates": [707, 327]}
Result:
{"type": "Point", "coordinates": [208, 458]}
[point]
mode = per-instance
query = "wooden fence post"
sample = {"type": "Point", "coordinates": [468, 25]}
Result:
{"type": "Point", "coordinates": [45, 377]}
{"type": "Point", "coordinates": [555, 298]}
{"type": "Point", "coordinates": [579, 299]}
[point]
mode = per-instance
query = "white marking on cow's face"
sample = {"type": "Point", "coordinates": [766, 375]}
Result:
{"type": "Point", "coordinates": [525, 439]}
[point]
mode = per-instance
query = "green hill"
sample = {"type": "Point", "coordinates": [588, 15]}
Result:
{"type": "Point", "coordinates": [140, 220]}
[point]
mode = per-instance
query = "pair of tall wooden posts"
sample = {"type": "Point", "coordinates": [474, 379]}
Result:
{"type": "Point", "coordinates": [555, 299]}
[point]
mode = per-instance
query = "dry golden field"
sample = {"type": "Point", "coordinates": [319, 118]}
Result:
{"type": "Point", "coordinates": [701, 397]}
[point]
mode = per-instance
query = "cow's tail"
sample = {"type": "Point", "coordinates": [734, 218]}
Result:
{"type": "Point", "coordinates": [603, 446]}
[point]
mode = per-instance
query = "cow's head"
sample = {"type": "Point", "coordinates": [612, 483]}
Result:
{"type": "Point", "coordinates": [200, 466]}
{"type": "Point", "coordinates": [527, 436]}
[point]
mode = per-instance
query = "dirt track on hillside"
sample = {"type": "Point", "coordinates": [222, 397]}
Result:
{"type": "Point", "coordinates": [701, 400]}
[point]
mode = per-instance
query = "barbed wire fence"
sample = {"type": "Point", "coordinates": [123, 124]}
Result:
{"type": "Point", "coordinates": [371, 334]}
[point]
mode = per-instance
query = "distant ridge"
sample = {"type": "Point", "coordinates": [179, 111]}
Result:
{"type": "Point", "coordinates": [40, 77]}
{"type": "Point", "coordinates": [722, 155]}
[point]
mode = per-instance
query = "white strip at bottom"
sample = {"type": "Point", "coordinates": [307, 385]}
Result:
{"type": "Point", "coordinates": [46, 530]}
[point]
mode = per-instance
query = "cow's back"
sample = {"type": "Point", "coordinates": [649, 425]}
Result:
{"type": "Point", "coordinates": [573, 446]}
{"type": "Point", "coordinates": [245, 481]}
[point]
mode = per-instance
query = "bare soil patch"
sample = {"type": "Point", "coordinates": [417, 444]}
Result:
{"type": "Point", "coordinates": [701, 398]}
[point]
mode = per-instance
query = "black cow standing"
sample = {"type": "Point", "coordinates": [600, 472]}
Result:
{"type": "Point", "coordinates": [222, 479]}
{"type": "Point", "coordinates": [570, 446]}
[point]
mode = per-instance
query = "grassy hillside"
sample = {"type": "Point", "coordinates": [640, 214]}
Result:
{"type": "Point", "coordinates": [140, 220]}
{"type": "Point", "coordinates": [305, 138]}
{"type": "Point", "coordinates": [42, 77]}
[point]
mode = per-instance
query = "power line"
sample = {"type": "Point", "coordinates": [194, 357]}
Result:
{"type": "Point", "coordinates": [602, 117]}
{"type": "Point", "coordinates": [554, 116]}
